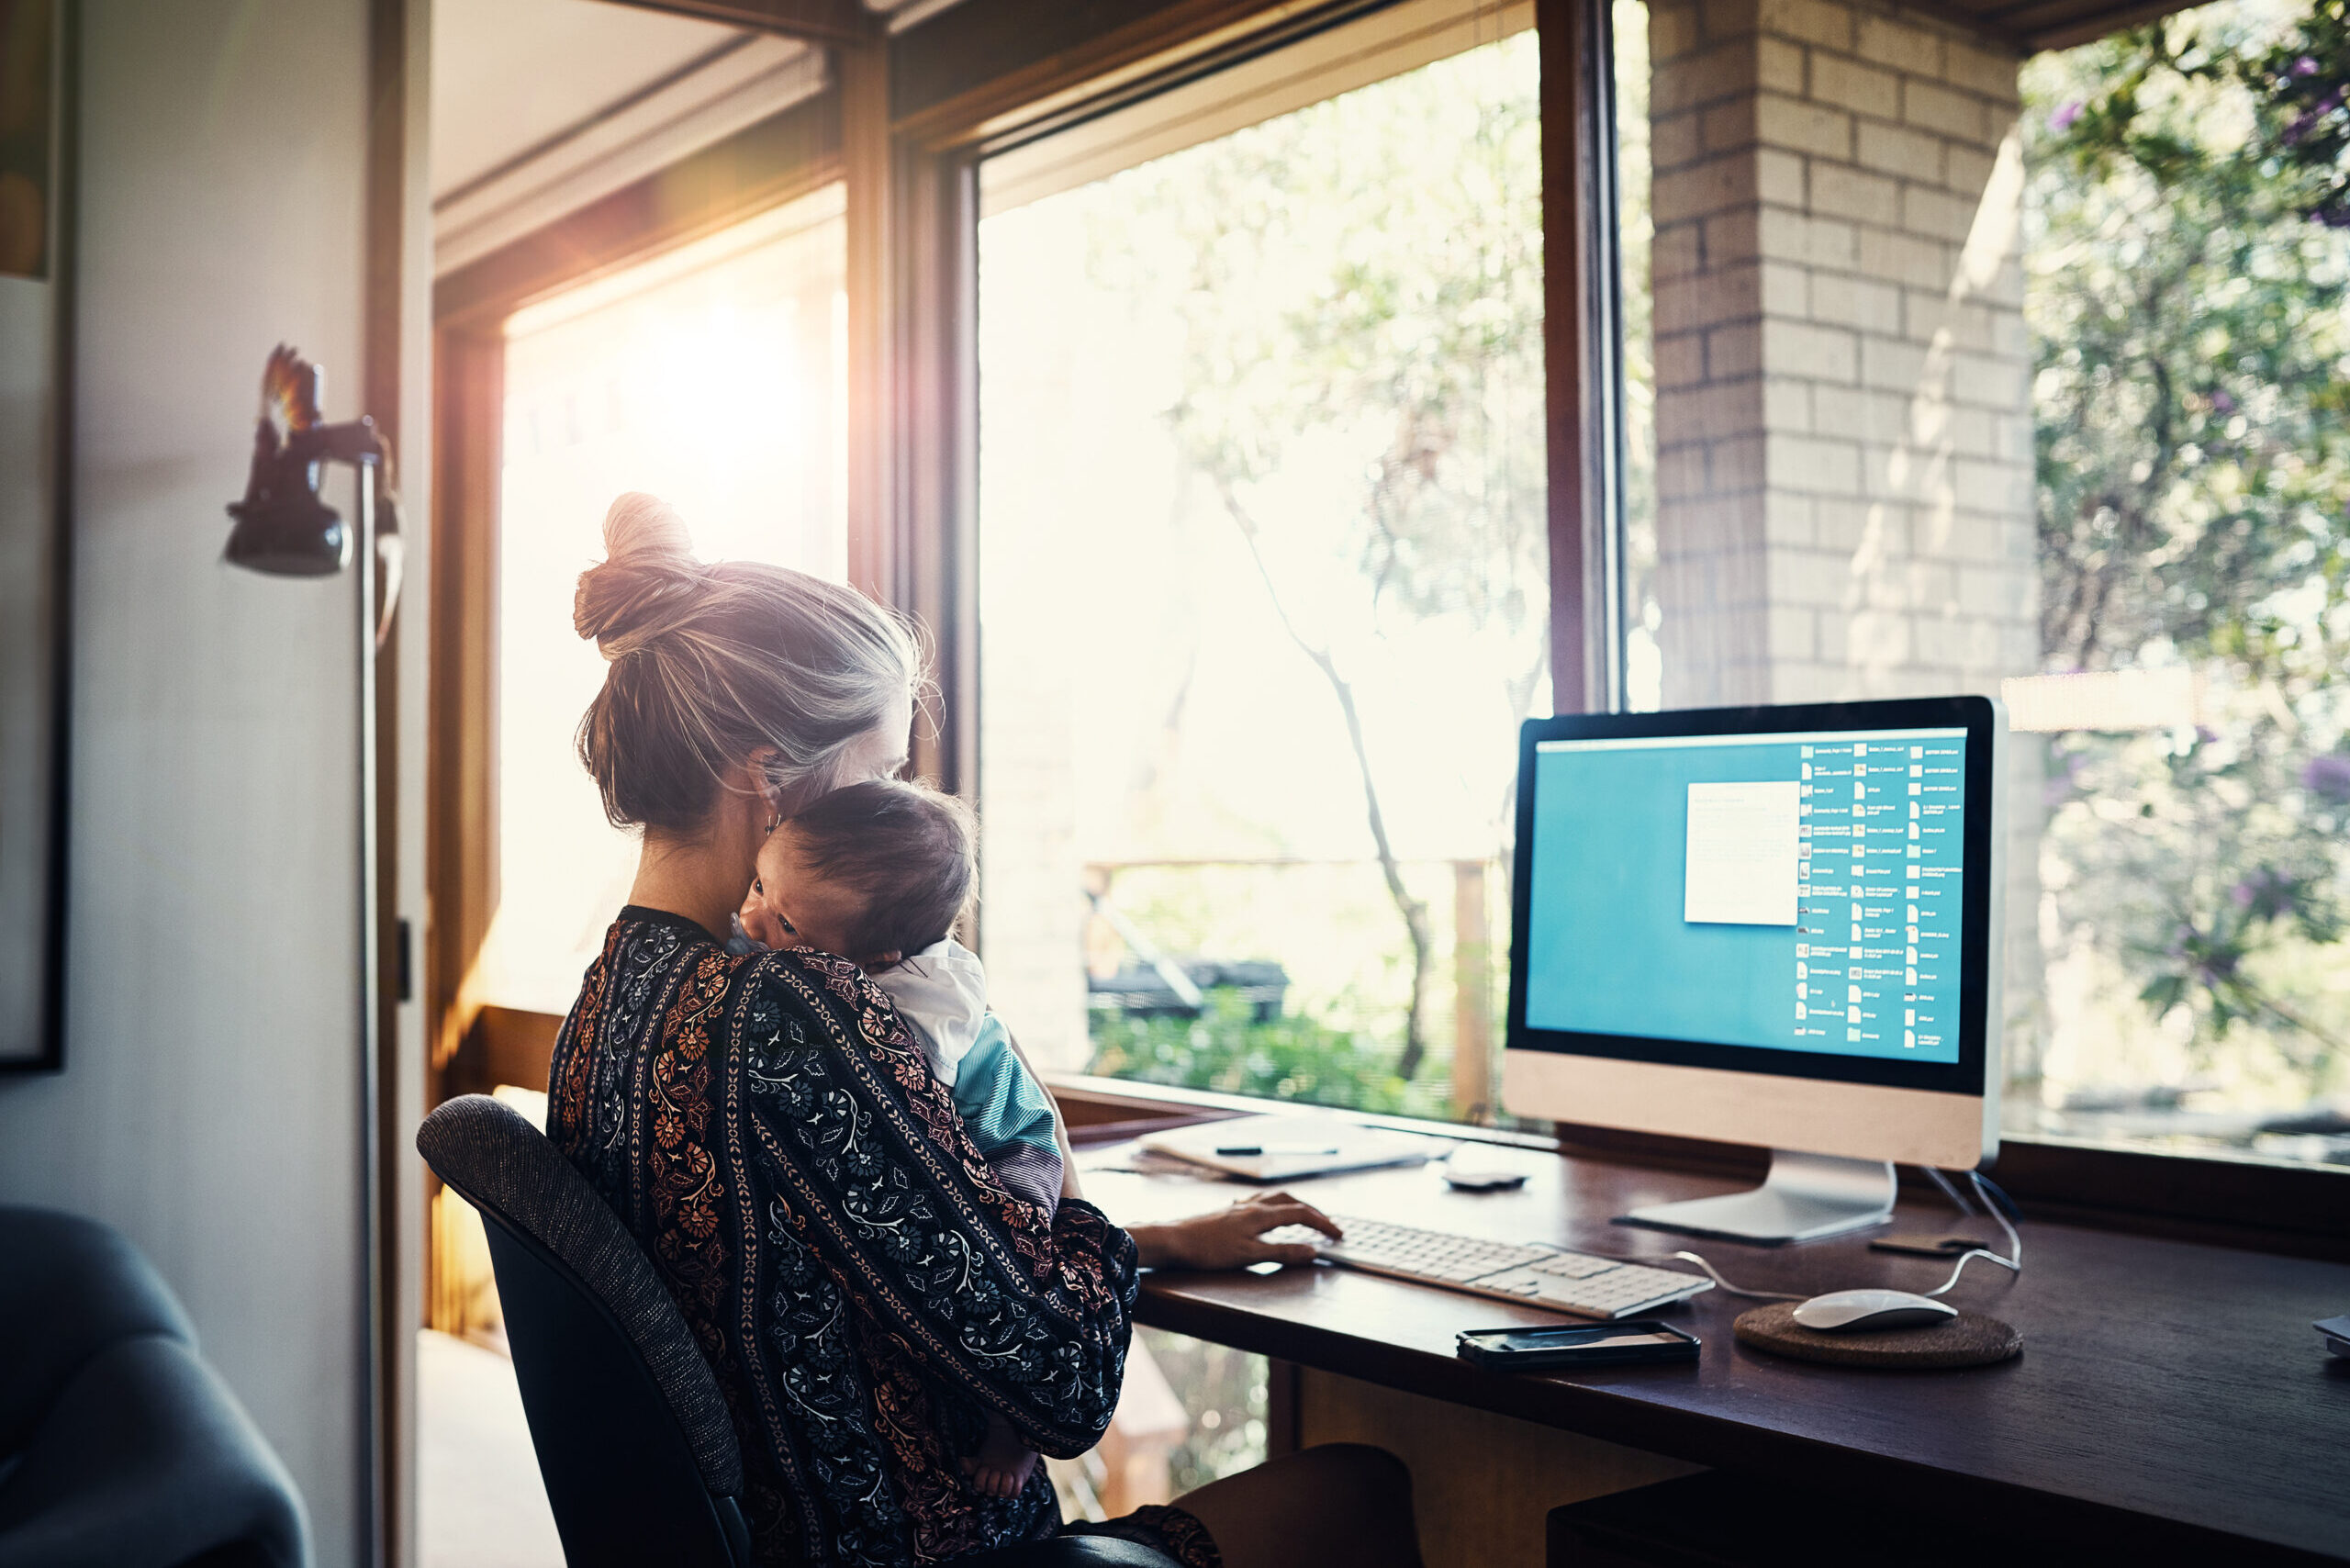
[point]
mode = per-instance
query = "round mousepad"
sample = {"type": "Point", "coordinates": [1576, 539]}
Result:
{"type": "Point", "coordinates": [1970, 1339]}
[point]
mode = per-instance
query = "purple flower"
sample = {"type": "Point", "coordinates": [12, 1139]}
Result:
{"type": "Point", "coordinates": [2305, 66]}
{"type": "Point", "coordinates": [2328, 777]}
{"type": "Point", "coordinates": [2063, 119]}
{"type": "Point", "coordinates": [2223, 403]}
{"type": "Point", "coordinates": [2324, 107]}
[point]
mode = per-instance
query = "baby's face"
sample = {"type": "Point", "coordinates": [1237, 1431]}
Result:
{"type": "Point", "coordinates": [799, 907]}
{"type": "Point", "coordinates": [759, 923]}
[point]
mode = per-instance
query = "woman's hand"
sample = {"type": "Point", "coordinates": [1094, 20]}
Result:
{"type": "Point", "coordinates": [1233, 1237]}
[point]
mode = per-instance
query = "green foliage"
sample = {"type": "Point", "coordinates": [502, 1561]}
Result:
{"type": "Point", "coordinates": [2193, 485]}
{"type": "Point", "coordinates": [1288, 1058]}
{"type": "Point", "coordinates": [2193, 457]}
{"type": "Point", "coordinates": [1226, 1393]}
{"type": "Point", "coordinates": [2302, 84]}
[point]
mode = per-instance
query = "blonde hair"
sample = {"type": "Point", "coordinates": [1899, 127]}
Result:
{"type": "Point", "coordinates": [708, 663]}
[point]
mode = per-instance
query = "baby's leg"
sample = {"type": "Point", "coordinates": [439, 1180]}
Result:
{"type": "Point", "coordinates": [1003, 1464]}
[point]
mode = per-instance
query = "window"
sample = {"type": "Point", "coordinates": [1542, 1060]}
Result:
{"type": "Point", "coordinates": [1263, 565]}
{"type": "Point", "coordinates": [2187, 274]}
{"type": "Point", "coordinates": [2025, 379]}
{"type": "Point", "coordinates": [708, 376]}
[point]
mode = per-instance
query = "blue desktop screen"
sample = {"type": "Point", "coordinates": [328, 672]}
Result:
{"type": "Point", "coordinates": [1797, 892]}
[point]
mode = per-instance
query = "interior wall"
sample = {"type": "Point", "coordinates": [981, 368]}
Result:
{"type": "Point", "coordinates": [209, 1103]}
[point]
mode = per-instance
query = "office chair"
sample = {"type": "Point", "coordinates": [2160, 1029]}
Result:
{"type": "Point", "coordinates": [632, 1435]}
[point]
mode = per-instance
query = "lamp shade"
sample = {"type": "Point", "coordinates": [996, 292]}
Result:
{"type": "Point", "coordinates": [283, 528]}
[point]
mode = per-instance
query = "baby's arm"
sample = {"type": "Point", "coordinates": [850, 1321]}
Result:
{"type": "Point", "coordinates": [1010, 1116]}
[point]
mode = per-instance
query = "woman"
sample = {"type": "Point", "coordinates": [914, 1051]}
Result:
{"type": "Point", "coordinates": [865, 1289]}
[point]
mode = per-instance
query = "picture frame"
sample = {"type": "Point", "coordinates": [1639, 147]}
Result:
{"type": "Point", "coordinates": [36, 511]}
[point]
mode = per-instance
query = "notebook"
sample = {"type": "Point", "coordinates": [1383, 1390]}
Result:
{"type": "Point", "coordinates": [1283, 1148]}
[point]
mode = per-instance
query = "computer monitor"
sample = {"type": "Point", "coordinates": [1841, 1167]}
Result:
{"type": "Point", "coordinates": [1765, 926]}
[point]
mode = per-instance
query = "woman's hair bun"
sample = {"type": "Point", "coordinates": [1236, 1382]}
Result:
{"type": "Point", "coordinates": [645, 582]}
{"type": "Point", "coordinates": [642, 524]}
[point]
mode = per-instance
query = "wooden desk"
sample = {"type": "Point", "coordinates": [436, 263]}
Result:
{"type": "Point", "coordinates": [2170, 1397]}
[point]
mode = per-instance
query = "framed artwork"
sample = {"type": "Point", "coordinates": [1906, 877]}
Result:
{"type": "Point", "coordinates": [36, 361]}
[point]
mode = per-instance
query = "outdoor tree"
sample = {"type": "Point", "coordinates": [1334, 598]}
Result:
{"type": "Point", "coordinates": [2188, 278]}
{"type": "Point", "coordinates": [1359, 291]}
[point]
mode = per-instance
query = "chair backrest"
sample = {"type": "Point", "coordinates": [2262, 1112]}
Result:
{"type": "Point", "coordinates": [632, 1435]}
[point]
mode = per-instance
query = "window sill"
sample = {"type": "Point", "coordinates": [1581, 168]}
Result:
{"type": "Point", "coordinates": [2260, 1206]}
{"type": "Point", "coordinates": [1186, 1106]}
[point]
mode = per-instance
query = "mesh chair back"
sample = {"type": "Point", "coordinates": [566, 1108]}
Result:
{"type": "Point", "coordinates": [632, 1435]}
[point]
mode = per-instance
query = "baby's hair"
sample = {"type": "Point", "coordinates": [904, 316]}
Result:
{"type": "Point", "coordinates": [910, 852]}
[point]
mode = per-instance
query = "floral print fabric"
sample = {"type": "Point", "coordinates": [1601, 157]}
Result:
{"type": "Point", "coordinates": [865, 1287]}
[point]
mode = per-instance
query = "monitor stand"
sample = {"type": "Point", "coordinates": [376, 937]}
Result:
{"type": "Point", "coordinates": [1805, 1196]}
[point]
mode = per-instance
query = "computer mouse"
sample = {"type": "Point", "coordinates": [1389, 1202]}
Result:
{"type": "Point", "coordinates": [1466, 1173]}
{"type": "Point", "coordinates": [1861, 1311]}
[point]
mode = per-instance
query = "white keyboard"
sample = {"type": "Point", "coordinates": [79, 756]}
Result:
{"type": "Point", "coordinates": [1528, 1271]}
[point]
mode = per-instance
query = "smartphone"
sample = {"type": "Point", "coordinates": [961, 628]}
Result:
{"type": "Point", "coordinates": [1577, 1345]}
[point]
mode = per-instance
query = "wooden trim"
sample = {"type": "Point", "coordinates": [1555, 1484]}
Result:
{"type": "Point", "coordinates": [1284, 1412]}
{"type": "Point", "coordinates": [781, 158]}
{"type": "Point", "coordinates": [398, 149]}
{"type": "Point", "coordinates": [503, 1045]}
{"type": "Point", "coordinates": [1165, 1097]}
{"type": "Point", "coordinates": [875, 553]}
{"type": "Point", "coordinates": [912, 278]}
{"type": "Point", "coordinates": [988, 70]}
{"type": "Point", "coordinates": [461, 761]}
{"type": "Point", "coordinates": [1737, 1161]}
{"type": "Point", "coordinates": [820, 21]}
{"type": "Point", "coordinates": [938, 398]}
{"type": "Point", "coordinates": [1573, 143]}
{"type": "Point", "coordinates": [2295, 1211]}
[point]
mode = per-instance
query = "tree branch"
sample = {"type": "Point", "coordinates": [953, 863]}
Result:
{"type": "Point", "coordinates": [1414, 910]}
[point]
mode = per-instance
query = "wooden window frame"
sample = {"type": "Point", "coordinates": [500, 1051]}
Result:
{"type": "Point", "coordinates": [905, 123]}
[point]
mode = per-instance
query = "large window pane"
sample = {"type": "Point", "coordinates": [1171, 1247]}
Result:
{"type": "Point", "coordinates": [710, 377]}
{"type": "Point", "coordinates": [2189, 272]}
{"type": "Point", "coordinates": [1263, 567]}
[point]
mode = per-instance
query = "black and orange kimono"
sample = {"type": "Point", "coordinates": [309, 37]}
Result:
{"type": "Point", "coordinates": [864, 1286]}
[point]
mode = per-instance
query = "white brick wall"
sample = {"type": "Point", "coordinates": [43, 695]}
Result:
{"type": "Point", "coordinates": [1843, 416]}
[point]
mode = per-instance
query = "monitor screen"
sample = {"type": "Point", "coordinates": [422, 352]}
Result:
{"type": "Point", "coordinates": [1772, 891]}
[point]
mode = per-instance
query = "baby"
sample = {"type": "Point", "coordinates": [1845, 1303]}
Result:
{"type": "Point", "coordinates": [878, 873]}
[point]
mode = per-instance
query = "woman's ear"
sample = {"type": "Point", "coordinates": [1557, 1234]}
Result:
{"type": "Point", "coordinates": [760, 768]}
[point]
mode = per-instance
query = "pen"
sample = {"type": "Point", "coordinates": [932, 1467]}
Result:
{"type": "Point", "coordinates": [1246, 1150]}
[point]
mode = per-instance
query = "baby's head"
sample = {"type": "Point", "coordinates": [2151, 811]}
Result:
{"type": "Point", "coordinates": [870, 872]}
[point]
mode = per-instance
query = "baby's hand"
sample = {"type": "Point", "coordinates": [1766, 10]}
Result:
{"type": "Point", "coordinates": [759, 923]}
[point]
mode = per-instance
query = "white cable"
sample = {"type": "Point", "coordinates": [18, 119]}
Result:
{"type": "Point", "coordinates": [2013, 1262]}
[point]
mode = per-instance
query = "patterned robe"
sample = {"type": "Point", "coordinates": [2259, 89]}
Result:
{"type": "Point", "coordinates": [865, 1287]}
